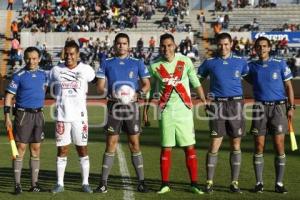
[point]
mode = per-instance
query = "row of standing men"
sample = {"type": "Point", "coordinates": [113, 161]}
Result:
{"type": "Point", "coordinates": [272, 88]}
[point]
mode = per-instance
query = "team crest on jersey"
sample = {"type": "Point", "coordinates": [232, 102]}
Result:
{"type": "Point", "coordinates": [60, 128]}
{"type": "Point", "coordinates": [287, 71]}
{"type": "Point", "coordinates": [237, 74]}
{"type": "Point", "coordinates": [275, 75]}
{"type": "Point", "coordinates": [13, 84]}
{"type": "Point", "coordinates": [130, 75]}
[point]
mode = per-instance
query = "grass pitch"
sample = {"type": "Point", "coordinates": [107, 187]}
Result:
{"type": "Point", "coordinates": [150, 141]}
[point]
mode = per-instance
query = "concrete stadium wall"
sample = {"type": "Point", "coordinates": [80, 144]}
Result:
{"type": "Point", "coordinates": [210, 4]}
{"type": "Point", "coordinates": [57, 39]}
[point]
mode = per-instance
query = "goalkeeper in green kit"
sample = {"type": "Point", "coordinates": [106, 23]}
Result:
{"type": "Point", "coordinates": [174, 72]}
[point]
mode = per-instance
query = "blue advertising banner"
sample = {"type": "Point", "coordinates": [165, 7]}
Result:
{"type": "Point", "coordinates": [292, 37]}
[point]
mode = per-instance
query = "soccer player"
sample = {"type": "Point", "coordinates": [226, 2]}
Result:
{"type": "Point", "coordinates": [225, 71]}
{"type": "Point", "coordinates": [70, 84]}
{"type": "Point", "coordinates": [28, 87]}
{"type": "Point", "coordinates": [274, 102]}
{"type": "Point", "coordinates": [174, 72]}
{"type": "Point", "coordinates": [120, 72]}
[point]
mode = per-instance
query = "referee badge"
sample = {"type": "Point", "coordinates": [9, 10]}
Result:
{"type": "Point", "coordinates": [275, 75]}
{"type": "Point", "coordinates": [130, 75]}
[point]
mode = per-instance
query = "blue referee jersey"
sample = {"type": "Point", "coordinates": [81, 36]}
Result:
{"type": "Point", "coordinates": [28, 86]}
{"type": "Point", "coordinates": [268, 79]}
{"type": "Point", "coordinates": [127, 71]}
{"type": "Point", "coordinates": [225, 75]}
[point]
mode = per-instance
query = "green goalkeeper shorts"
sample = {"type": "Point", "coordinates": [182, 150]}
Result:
{"type": "Point", "coordinates": [177, 128]}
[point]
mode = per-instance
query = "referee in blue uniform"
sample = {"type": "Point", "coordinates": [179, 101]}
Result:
{"type": "Point", "coordinates": [226, 109]}
{"type": "Point", "coordinates": [274, 102]}
{"type": "Point", "coordinates": [117, 72]}
{"type": "Point", "coordinates": [28, 88]}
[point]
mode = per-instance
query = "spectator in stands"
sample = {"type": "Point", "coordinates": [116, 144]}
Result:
{"type": "Point", "coordinates": [134, 21]}
{"type": "Point", "coordinates": [255, 25]}
{"type": "Point", "coordinates": [217, 28]}
{"type": "Point", "coordinates": [201, 20]}
{"type": "Point", "coordinates": [15, 29]}
{"type": "Point", "coordinates": [140, 45]}
{"type": "Point", "coordinates": [229, 5]}
{"type": "Point", "coordinates": [10, 4]}
{"type": "Point", "coordinates": [151, 44]}
{"type": "Point", "coordinates": [226, 21]}
{"type": "Point", "coordinates": [165, 22]}
{"type": "Point", "coordinates": [218, 5]}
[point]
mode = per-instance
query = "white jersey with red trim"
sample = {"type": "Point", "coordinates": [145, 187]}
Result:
{"type": "Point", "coordinates": [69, 87]}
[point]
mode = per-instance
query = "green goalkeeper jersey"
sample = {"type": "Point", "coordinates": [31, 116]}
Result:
{"type": "Point", "coordinates": [174, 78]}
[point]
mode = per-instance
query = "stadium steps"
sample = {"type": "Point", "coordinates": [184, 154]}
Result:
{"type": "Point", "coordinates": [268, 18]}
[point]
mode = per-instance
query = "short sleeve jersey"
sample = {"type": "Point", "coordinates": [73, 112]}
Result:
{"type": "Point", "coordinates": [189, 76]}
{"type": "Point", "coordinates": [118, 72]}
{"type": "Point", "coordinates": [70, 87]}
{"type": "Point", "coordinates": [29, 88]}
{"type": "Point", "coordinates": [225, 75]}
{"type": "Point", "coordinates": [268, 79]}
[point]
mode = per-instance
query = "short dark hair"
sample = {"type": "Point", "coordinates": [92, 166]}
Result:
{"type": "Point", "coordinates": [31, 49]}
{"type": "Point", "coordinates": [121, 35]}
{"type": "Point", "coordinates": [166, 36]}
{"type": "Point", "coordinates": [262, 38]}
{"type": "Point", "coordinates": [222, 36]}
{"type": "Point", "coordinates": [71, 44]}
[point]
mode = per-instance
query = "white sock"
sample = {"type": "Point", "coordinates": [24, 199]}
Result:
{"type": "Point", "coordinates": [85, 169]}
{"type": "Point", "coordinates": [280, 184]}
{"type": "Point", "coordinates": [61, 164]}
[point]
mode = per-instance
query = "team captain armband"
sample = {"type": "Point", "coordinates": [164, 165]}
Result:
{"type": "Point", "coordinates": [6, 109]}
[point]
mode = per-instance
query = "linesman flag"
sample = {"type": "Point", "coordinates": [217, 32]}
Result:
{"type": "Point", "coordinates": [12, 142]}
{"type": "Point", "coordinates": [292, 136]}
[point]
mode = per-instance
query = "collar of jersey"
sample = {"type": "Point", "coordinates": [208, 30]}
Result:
{"type": "Point", "coordinates": [230, 56]}
{"type": "Point", "coordinates": [265, 62]}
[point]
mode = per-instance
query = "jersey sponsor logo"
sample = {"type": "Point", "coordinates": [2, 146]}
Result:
{"type": "Point", "coordinates": [275, 75]}
{"type": "Point", "coordinates": [60, 128]}
{"type": "Point", "coordinates": [225, 62]}
{"type": "Point", "coordinates": [173, 83]}
{"type": "Point", "coordinates": [70, 85]}
{"type": "Point", "coordinates": [33, 76]}
{"type": "Point", "coordinates": [13, 85]}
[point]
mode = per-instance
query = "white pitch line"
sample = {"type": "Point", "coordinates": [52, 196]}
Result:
{"type": "Point", "coordinates": [128, 190]}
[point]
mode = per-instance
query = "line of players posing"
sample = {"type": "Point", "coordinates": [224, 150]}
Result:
{"type": "Point", "coordinates": [127, 80]}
